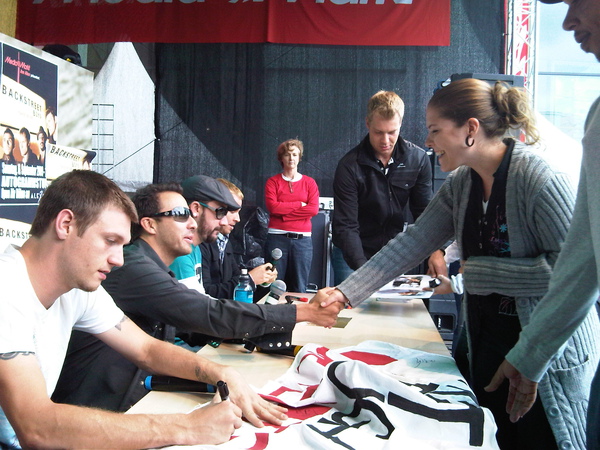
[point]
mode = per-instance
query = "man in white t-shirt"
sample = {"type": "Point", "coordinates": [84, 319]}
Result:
{"type": "Point", "coordinates": [52, 285]}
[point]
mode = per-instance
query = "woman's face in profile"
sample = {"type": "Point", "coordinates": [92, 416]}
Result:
{"type": "Point", "coordinates": [446, 139]}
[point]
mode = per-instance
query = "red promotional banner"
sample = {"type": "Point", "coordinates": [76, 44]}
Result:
{"type": "Point", "coordinates": [329, 22]}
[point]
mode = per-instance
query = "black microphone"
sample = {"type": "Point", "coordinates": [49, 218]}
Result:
{"type": "Point", "coordinates": [276, 290]}
{"type": "Point", "coordinates": [276, 255]}
{"type": "Point", "coordinates": [174, 384]}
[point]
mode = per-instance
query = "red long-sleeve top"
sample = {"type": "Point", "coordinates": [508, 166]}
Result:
{"type": "Point", "coordinates": [285, 207]}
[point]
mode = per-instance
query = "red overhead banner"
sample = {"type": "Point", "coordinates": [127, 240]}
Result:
{"type": "Point", "coordinates": [329, 22]}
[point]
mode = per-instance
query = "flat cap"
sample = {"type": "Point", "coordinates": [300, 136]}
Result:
{"type": "Point", "coordinates": [204, 189]}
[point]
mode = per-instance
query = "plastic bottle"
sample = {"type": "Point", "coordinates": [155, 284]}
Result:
{"type": "Point", "coordinates": [243, 291]}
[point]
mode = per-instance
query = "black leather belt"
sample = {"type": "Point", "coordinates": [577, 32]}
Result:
{"type": "Point", "coordinates": [294, 235]}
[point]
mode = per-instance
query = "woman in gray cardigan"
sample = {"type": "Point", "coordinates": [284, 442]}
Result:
{"type": "Point", "coordinates": [509, 212]}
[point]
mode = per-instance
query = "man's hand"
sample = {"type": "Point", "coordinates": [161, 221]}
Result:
{"type": "Point", "coordinates": [213, 424]}
{"type": "Point", "coordinates": [317, 314]}
{"type": "Point", "coordinates": [328, 295]}
{"type": "Point", "coordinates": [444, 288]}
{"type": "Point", "coordinates": [437, 264]}
{"type": "Point", "coordinates": [264, 273]}
{"type": "Point", "coordinates": [521, 392]}
{"type": "Point", "coordinates": [253, 407]}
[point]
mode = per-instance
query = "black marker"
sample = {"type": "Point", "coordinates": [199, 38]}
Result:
{"type": "Point", "coordinates": [223, 390]}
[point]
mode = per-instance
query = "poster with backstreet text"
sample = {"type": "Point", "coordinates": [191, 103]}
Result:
{"type": "Point", "coordinates": [28, 94]}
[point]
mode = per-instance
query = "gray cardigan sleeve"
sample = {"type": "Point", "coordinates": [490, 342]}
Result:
{"type": "Point", "coordinates": [429, 233]}
{"type": "Point", "coordinates": [573, 291]}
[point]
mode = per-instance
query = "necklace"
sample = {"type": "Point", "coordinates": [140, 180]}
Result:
{"type": "Point", "coordinates": [290, 180]}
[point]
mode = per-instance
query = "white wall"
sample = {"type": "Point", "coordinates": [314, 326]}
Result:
{"type": "Point", "coordinates": [124, 83]}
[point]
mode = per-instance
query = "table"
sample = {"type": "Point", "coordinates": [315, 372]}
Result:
{"type": "Point", "coordinates": [404, 323]}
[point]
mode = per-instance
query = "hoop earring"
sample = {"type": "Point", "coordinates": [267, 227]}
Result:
{"type": "Point", "coordinates": [467, 141]}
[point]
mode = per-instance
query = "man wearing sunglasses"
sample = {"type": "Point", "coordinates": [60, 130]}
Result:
{"type": "Point", "coordinates": [220, 270]}
{"type": "Point", "coordinates": [148, 292]}
{"type": "Point", "coordinates": [209, 201]}
{"type": "Point", "coordinates": [51, 284]}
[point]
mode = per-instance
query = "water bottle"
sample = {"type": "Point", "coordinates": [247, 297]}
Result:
{"type": "Point", "coordinates": [243, 291]}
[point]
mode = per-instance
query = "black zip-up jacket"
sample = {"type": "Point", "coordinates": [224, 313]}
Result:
{"type": "Point", "coordinates": [369, 205]}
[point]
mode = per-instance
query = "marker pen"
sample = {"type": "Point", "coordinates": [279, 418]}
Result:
{"type": "Point", "coordinates": [223, 390]}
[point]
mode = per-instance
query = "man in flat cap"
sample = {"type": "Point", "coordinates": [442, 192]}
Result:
{"type": "Point", "coordinates": [209, 201]}
{"type": "Point", "coordinates": [576, 276]}
{"type": "Point", "coordinates": [150, 295]}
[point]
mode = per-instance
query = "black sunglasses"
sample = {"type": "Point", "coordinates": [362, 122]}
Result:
{"type": "Point", "coordinates": [179, 214]}
{"type": "Point", "coordinates": [220, 212]}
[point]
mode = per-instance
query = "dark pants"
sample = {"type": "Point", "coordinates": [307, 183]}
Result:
{"type": "Point", "coordinates": [529, 433]}
{"type": "Point", "coordinates": [296, 257]}
{"type": "Point", "coordinates": [493, 330]}
{"type": "Point", "coordinates": [341, 269]}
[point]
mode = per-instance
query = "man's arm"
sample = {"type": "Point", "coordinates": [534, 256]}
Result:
{"type": "Point", "coordinates": [41, 423]}
{"type": "Point", "coordinates": [143, 289]}
{"type": "Point", "coordinates": [163, 358]}
{"type": "Point", "coordinates": [345, 226]}
{"type": "Point", "coordinates": [422, 192]}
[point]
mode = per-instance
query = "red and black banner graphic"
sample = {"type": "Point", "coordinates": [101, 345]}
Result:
{"type": "Point", "coordinates": [328, 22]}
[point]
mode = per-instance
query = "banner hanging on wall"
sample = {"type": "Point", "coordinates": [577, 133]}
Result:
{"type": "Point", "coordinates": [328, 22]}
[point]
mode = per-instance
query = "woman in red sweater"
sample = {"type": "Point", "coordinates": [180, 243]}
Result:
{"type": "Point", "coordinates": [292, 200]}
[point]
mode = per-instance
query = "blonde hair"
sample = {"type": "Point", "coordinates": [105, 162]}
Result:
{"type": "Point", "coordinates": [232, 188]}
{"type": "Point", "coordinates": [385, 103]}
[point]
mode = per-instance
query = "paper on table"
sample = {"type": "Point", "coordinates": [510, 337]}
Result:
{"type": "Point", "coordinates": [405, 287]}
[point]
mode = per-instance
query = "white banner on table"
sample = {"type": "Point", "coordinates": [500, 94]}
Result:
{"type": "Point", "coordinates": [372, 396]}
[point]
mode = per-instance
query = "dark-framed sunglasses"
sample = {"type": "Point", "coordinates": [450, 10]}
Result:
{"type": "Point", "coordinates": [179, 214]}
{"type": "Point", "coordinates": [220, 212]}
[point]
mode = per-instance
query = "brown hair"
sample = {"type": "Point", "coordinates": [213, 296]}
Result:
{"type": "Point", "coordinates": [498, 108]}
{"type": "Point", "coordinates": [86, 194]}
{"type": "Point", "coordinates": [284, 147]}
{"type": "Point", "coordinates": [385, 103]}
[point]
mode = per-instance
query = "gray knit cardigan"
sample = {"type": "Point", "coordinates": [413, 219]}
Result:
{"type": "Point", "coordinates": [539, 206]}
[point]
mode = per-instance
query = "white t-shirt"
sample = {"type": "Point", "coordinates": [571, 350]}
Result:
{"type": "Point", "coordinates": [27, 326]}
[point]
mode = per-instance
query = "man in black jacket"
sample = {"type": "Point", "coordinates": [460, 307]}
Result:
{"type": "Point", "coordinates": [220, 271]}
{"type": "Point", "coordinates": [373, 184]}
{"type": "Point", "coordinates": [149, 294]}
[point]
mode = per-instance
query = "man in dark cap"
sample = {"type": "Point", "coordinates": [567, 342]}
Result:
{"type": "Point", "coordinates": [148, 292]}
{"type": "Point", "coordinates": [210, 201]}
{"type": "Point", "coordinates": [576, 276]}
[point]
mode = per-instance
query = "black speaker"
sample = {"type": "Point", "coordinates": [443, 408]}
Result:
{"type": "Point", "coordinates": [511, 80]}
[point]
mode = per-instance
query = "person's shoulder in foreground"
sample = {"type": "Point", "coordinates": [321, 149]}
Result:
{"type": "Point", "coordinates": [578, 261]}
